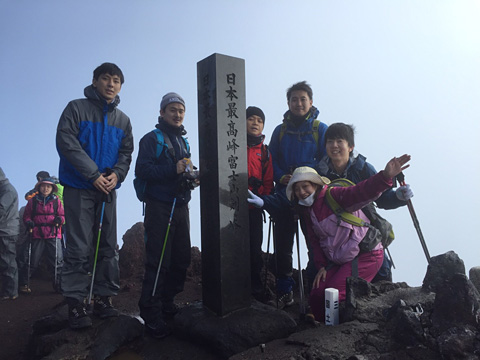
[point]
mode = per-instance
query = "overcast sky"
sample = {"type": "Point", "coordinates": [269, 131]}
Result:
{"type": "Point", "coordinates": [405, 73]}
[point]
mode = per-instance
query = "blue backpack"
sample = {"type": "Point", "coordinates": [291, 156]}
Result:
{"type": "Point", "coordinates": [140, 185]}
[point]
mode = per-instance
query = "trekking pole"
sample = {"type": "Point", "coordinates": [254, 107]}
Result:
{"type": "Point", "coordinates": [390, 257]}
{"type": "Point", "coordinates": [268, 254]}
{"type": "Point", "coordinates": [29, 258]}
{"type": "Point", "coordinates": [164, 245]}
{"type": "Point", "coordinates": [275, 258]}
{"type": "Point", "coordinates": [56, 258]}
{"type": "Point", "coordinates": [56, 264]}
{"type": "Point", "coordinates": [300, 275]}
{"type": "Point", "coordinates": [416, 224]}
{"type": "Point", "coordinates": [96, 250]}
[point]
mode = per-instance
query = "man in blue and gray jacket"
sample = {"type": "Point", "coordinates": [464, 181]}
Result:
{"type": "Point", "coordinates": [95, 144]}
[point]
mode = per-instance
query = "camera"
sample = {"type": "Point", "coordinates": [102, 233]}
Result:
{"type": "Point", "coordinates": [189, 180]}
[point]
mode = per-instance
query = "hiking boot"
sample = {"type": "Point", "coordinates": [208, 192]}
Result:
{"type": "Point", "coordinates": [103, 307]}
{"type": "Point", "coordinates": [57, 287]}
{"type": "Point", "coordinates": [169, 309]}
{"type": "Point", "coordinates": [25, 289]}
{"type": "Point", "coordinates": [158, 329]}
{"type": "Point", "coordinates": [77, 314]}
{"type": "Point", "coordinates": [282, 301]}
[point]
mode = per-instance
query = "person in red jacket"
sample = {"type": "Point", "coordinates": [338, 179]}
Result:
{"type": "Point", "coordinates": [43, 218]}
{"type": "Point", "coordinates": [260, 182]}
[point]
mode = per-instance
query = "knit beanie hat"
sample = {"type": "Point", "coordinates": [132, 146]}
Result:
{"type": "Point", "coordinates": [169, 98]}
{"type": "Point", "coordinates": [253, 110]}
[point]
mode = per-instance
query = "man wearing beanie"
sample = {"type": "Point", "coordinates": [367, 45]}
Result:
{"type": "Point", "coordinates": [260, 182]}
{"type": "Point", "coordinates": [164, 163]}
{"type": "Point", "coordinates": [299, 141]}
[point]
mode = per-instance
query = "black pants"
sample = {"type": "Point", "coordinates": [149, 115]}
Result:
{"type": "Point", "coordinates": [256, 239]}
{"type": "Point", "coordinates": [8, 266]}
{"type": "Point", "coordinates": [176, 257]}
{"type": "Point", "coordinates": [83, 213]}
{"type": "Point", "coordinates": [284, 236]}
{"type": "Point", "coordinates": [52, 247]}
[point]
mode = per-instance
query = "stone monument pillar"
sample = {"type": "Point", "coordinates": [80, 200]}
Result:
{"type": "Point", "coordinates": [224, 183]}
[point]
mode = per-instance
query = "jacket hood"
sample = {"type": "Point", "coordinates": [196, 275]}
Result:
{"type": "Point", "coordinates": [92, 94]}
{"type": "Point", "coordinates": [169, 129]}
{"type": "Point", "coordinates": [325, 166]}
{"type": "Point", "coordinates": [312, 114]}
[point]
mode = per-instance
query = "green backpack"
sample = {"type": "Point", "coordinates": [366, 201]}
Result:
{"type": "Point", "coordinates": [379, 229]}
{"type": "Point", "coordinates": [314, 132]}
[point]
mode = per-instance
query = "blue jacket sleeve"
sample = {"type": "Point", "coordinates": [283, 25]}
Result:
{"type": "Point", "coordinates": [276, 202]}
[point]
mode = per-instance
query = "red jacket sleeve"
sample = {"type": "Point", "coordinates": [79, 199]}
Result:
{"type": "Point", "coordinates": [27, 215]}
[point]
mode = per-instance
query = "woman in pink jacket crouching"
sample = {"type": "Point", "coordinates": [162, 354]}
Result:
{"type": "Point", "coordinates": [333, 241]}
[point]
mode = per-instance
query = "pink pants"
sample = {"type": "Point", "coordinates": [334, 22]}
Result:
{"type": "Point", "coordinates": [368, 266]}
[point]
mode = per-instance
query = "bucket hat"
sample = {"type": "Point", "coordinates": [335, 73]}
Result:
{"type": "Point", "coordinates": [48, 181]}
{"type": "Point", "coordinates": [305, 173]}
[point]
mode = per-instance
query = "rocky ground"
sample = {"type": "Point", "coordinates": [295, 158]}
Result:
{"type": "Point", "coordinates": [18, 316]}
{"type": "Point", "coordinates": [382, 321]}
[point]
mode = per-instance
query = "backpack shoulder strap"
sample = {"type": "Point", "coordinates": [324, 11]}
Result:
{"type": "Point", "coordinates": [187, 145]}
{"type": "Point", "coordinates": [265, 158]}
{"type": "Point", "coordinates": [163, 140]}
{"type": "Point", "coordinates": [160, 142]}
{"type": "Point", "coordinates": [55, 206]}
{"type": "Point", "coordinates": [34, 209]}
{"type": "Point", "coordinates": [316, 125]}
{"type": "Point", "coordinates": [339, 211]}
{"type": "Point", "coordinates": [283, 128]}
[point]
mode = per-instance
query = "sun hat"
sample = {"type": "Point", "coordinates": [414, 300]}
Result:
{"type": "Point", "coordinates": [48, 181]}
{"type": "Point", "coordinates": [305, 173]}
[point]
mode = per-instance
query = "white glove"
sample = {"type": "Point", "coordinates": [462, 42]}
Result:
{"type": "Point", "coordinates": [254, 200]}
{"type": "Point", "coordinates": [404, 192]}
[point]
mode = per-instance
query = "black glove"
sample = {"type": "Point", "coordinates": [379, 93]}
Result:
{"type": "Point", "coordinates": [58, 221]}
{"type": "Point", "coordinates": [29, 225]}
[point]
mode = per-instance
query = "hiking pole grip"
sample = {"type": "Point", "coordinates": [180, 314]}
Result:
{"type": "Point", "coordinates": [416, 224]}
{"type": "Point", "coordinates": [300, 275]}
{"type": "Point", "coordinates": [267, 259]}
